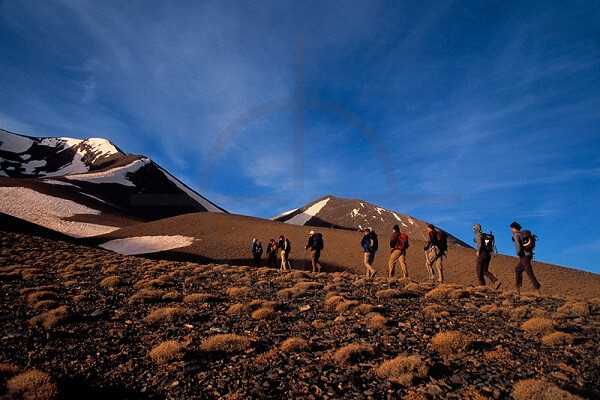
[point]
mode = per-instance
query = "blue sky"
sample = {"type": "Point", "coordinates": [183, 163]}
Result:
{"type": "Point", "coordinates": [453, 112]}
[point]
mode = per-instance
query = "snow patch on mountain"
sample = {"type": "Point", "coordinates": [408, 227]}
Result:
{"type": "Point", "coordinates": [57, 182]}
{"type": "Point", "coordinates": [115, 175]}
{"type": "Point", "coordinates": [310, 212]}
{"type": "Point", "coordinates": [14, 143]}
{"type": "Point", "coordinates": [48, 211]}
{"type": "Point", "coordinates": [147, 244]}
{"type": "Point", "coordinates": [283, 214]}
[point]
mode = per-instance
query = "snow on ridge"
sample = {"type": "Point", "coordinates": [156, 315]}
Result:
{"type": "Point", "coordinates": [57, 182]}
{"type": "Point", "coordinates": [283, 214]}
{"type": "Point", "coordinates": [397, 217]}
{"type": "Point", "coordinates": [354, 213]}
{"type": "Point", "coordinates": [14, 143]}
{"type": "Point", "coordinates": [201, 200]}
{"type": "Point", "coordinates": [115, 175]}
{"type": "Point", "coordinates": [147, 244]}
{"type": "Point", "coordinates": [101, 146]}
{"type": "Point", "coordinates": [49, 211]}
{"type": "Point", "coordinates": [310, 212]}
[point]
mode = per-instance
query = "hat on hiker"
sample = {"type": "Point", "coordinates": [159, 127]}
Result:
{"type": "Point", "coordinates": [312, 232]}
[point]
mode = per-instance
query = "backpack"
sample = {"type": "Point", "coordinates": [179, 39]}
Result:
{"type": "Point", "coordinates": [258, 248]}
{"type": "Point", "coordinates": [442, 239]}
{"type": "Point", "coordinates": [287, 246]}
{"type": "Point", "coordinates": [528, 239]}
{"type": "Point", "coordinates": [318, 242]}
{"type": "Point", "coordinates": [488, 242]}
{"type": "Point", "coordinates": [402, 242]}
{"type": "Point", "coordinates": [374, 242]}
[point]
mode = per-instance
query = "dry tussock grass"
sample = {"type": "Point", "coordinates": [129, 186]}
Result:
{"type": "Point", "coordinates": [412, 287]}
{"type": "Point", "coordinates": [166, 314]}
{"type": "Point", "coordinates": [237, 292]}
{"type": "Point", "coordinates": [538, 325]}
{"type": "Point", "coordinates": [197, 298]}
{"type": "Point", "coordinates": [375, 321]}
{"type": "Point", "coordinates": [45, 305]}
{"type": "Point", "coordinates": [403, 370]}
{"type": "Point", "coordinates": [226, 343]}
{"type": "Point", "coordinates": [440, 292]}
{"type": "Point", "coordinates": [237, 309]}
{"type": "Point", "coordinates": [111, 282]}
{"type": "Point", "coordinates": [539, 389]}
{"type": "Point", "coordinates": [496, 310]}
{"type": "Point", "coordinates": [364, 309]}
{"type": "Point", "coordinates": [51, 318]}
{"type": "Point", "coordinates": [520, 312]}
{"type": "Point", "coordinates": [42, 295]}
{"type": "Point", "coordinates": [150, 284]}
{"type": "Point", "coordinates": [436, 311]}
{"type": "Point", "coordinates": [147, 296]}
{"type": "Point", "coordinates": [308, 285]}
{"type": "Point", "coordinates": [294, 345]}
{"type": "Point", "coordinates": [172, 297]}
{"type": "Point", "coordinates": [574, 309]}
{"type": "Point", "coordinates": [352, 353]}
{"type": "Point", "coordinates": [300, 289]}
{"type": "Point", "coordinates": [167, 352]}
{"type": "Point", "coordinates": [450, 342]}
{"type": "Point", "coordinates": [8, 370]}
{"type": "Point", "coordinates": [498, 355]}
{"type": "Point", "coordinates": [557, 339]}
{"type": "Point", "coordinates": [459, 294]}
{"type": "Point", "coordinates": [346, 305]}
{"type": "Point", "coordinates": [32, 385]}
{"type": "Point", "coordinates": [264, 313]}
{"type": "Point", "coordinates": [388, 294]}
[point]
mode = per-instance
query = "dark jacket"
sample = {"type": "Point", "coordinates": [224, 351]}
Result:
{"type": "Point", "coordinates": [433, 240]}
{"type": "Point", "coordinates": [366, 242]}
{"type": "Point", "coordinates": [521, 251]}
{"type": "Point", "coordinates": [394, 240]}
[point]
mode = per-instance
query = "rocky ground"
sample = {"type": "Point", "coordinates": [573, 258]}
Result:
{"type": "Point", "coordinates": [80, 322]}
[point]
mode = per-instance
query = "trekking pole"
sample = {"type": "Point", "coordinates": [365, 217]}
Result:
{"type": "Point", "coordinates": [304, 261]}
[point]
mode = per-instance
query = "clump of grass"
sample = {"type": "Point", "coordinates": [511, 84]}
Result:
{"type": "Point", "coordinates": [403, 370]}
{"type": "Point", "coordinates": [225, 343]}
{"type": "Point", "coordinates": [388, 294]}
{"type": "Point", "coordinates": [8, 370]}
{"type": "Point", "coordinates": [574, 309]}
{"type": "Point", "coordinates": [150, 284]}
{"type": "Point", "coordinates": [498, 355]}
{"type": "Point", "coordinates": [165, 314]}
{"type": "Point", "coordinates": [264, 313]}
{"type": "Point", "coordinates": [300, 289]}
{"type": "Point", "coordinates": [167, 352]}
{"type": "Point", "coordinates": [436, 311]}
{"type": "Point", "coordinates": [458, 294]}
{"type": "Point", "coordinates": [237, 309]}
{"type": "Point", "coordinates": [45, 305]}
{"type": "Point", "coordinates": [171, 296]}
{"type": "Point", "coordinates": [352, 353]}
{"type": "Point", "coordinates": [32, 385]}
{"type": "Point", "coordinates": [198, 298]}
{"type": "Point", "coordinates": [50, 319]}
{"type": "Point", "coordinates": [519, 312]}
{"type": "Point", "coordinates": [412, 287]}
{"type": "Point", "coordinates": [375, 321]}
{"type": "Point", "coordinates": [539, 389]}
{"type": "Point", "coordinates": [440, 292]}
{"type": "Point", "coordinates": [42, 295]}
{"type": "Point", "coordinates": [147, 296]}
{"type": "Point", "coordinates": [238, 292]}
{"type": "Point", "coordinates": [258, 303]}
{"type": "Point", "coordinates": [294, 345]}
{"type": "Point", "coordinates": [345, 305]}
{"type": "Point", "coordinates": [308, 285]}
{"type": "Point", "coordinates": [538, 325]}
{"type": "Point", "coordinates": [333, 300]}
{"type": "Point", "coordinates": [364, 309]}
{"type": "Point", "coordinates": [557, 339]}
{"type": "Point", "coordinates": [111, 282]}
{"type": "Point", "coordinates": [495, 310]}
{"type": "Point", "coordinates": [450, 342]}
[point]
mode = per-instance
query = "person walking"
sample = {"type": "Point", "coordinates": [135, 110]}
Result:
{"type": "Point", "coordinates": [398, 244]}
{"type": "Point", "coordinates": [525, 255]}
{"type": "Point", "coordinates": [369, 251]}
{"type": "Point", "coordinates": [315, 244]}
{"type": "Point", "coordinates": [257, 251]}
{"type": "Point", "coordinates": [434, 251]}
{"type": "Point", "coordinates": [484, 256]}
{"type": "Point", "coordinates": [272, 254]}
{"type": "Point", "coordinates": [285, 247]}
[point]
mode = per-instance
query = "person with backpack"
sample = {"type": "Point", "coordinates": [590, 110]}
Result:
{"type": "Point", "coordinates": [315, 244]}
{"type": "Point", "coordinates": [285, 248]}
{"type": "Point", "coordinates": [485, 248]}
{"type": "Point", "coordinates": [434, 252]}
{"type": "Point", "coordinates": [257, 251]}
{"type": "Point", "coordinates": [524, 244]}
{"type": "Point", "coordinates": [398, 244]}
{"type": "Point", "coordinates": [271, 254]}
{"type": "Point", "coordinates": [369, 244]}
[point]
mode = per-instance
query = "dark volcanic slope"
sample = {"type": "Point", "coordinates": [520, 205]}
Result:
{"type": "Point", "coordinates": [353, 214]}
{"type": "Point", "coordinates": [226, 238]}
{"type": "Point", "coordinates": [102, 326]}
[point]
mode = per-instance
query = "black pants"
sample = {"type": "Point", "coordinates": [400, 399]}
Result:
{"type": "Point", "coordinates": [525, 265]}
{"type": "Point", "coordinates": [257, 259]}
{"type": "Point", "coordinates": [483, 263]}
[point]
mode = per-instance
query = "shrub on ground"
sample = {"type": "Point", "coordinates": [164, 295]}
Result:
{"type": "Point", "coordinates": [436, 311]}
{"type": "Point", "coordinates": [345, 305]}
{"type": "Point", "coordinates": [32, 385]}
{"type": "Point", "coordinates": [375, 321]}
{"type": "Point", "coordinates": [45, 305]}
{"type": "Point", "coordinates": [238, 292]}
{"type": "Point", "coordinates": [50, 319]}
{"type": "Point", "coordinates": [294, 345]}
{"type": "Point", "coordinates": [538, 325]}
{"type": "Point", "coordinates": [450, 342]}
{"type": "Point", "coordinates": [403, 370]}
{"type": "Point", "coordinates": [226, 343]}
{"type": "Point", "coordinates": [237, 309]}
{"type": "Point", "coordinates": [574, 309]}
{"type": "Point", "coordinates": [557, 339]}
{"type": "Point", "coordinates": [147, 296]}
{"type": "Point", "coordinates": [389, 294]}
{"type": "Point", "coordinates": [42, 295]}
{"type": "Point", "coordinates": [539, 389]}
{"type": "Point", "coordinates": [352, 353]}
{"type": "Point", "coordinates": [110, 282]}
{"type": "Point", "coordinates": [166, 352]}
{"type": "Point", "coordinates": [264, 313]}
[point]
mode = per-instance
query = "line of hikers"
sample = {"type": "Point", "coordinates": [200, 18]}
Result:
{"type": "Point", "coordinates": [435, 250]}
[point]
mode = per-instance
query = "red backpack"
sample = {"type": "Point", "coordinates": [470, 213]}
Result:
{"type": "Point", "coordinates": [402, 242]}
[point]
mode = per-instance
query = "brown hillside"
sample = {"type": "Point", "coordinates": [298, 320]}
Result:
{"type": "Point", "coordinates": [226, 238]}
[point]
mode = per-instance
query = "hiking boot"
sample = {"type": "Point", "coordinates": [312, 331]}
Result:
{"type": "Point", "coordinates": [497, 285]}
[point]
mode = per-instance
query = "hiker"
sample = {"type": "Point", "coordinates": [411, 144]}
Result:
{"type": "Point", "coordinates": [485, 247]}
{"type": "Point", "coordinates": [271, 254]}
{"type": "Point", "coordinates": [369, 244]}
{"type": "Point", "coordinates": [285, 247]}
{"type": "Point", "coordinates": [256, 252]}
{"type": "Point", "coordinates": [524, 243]}
{"type": "Point", "coordinates": [434, 252]}
{"type": "Point", "coordinates": [315, 244]}
{"type": "Point", "coordinates": [398, 244]}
